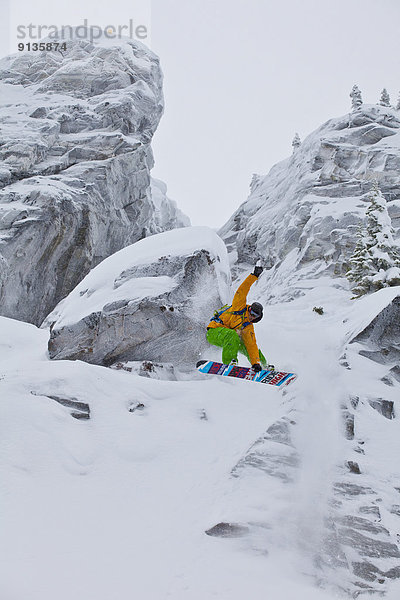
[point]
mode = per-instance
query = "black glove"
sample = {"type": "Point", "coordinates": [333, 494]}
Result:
{"type": "Point", "coordinates": [256, 367]}
{"type": "Point", "coordinates": [257, 271]}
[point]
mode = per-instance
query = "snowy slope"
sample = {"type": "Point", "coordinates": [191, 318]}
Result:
{"type": "Point", "coordinates": [116, 506]}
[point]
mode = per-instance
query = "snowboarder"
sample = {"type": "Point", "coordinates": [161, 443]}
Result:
{"type": "Point", "coordinates": [232, 326]}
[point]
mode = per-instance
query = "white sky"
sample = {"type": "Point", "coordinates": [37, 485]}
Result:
{"type": "Point", "coordinates": [241, 76]}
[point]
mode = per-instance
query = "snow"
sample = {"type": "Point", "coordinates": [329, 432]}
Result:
{"type": "Point", "coordinates": [101, 285]}
{"type": "Point", "coordinates": [367, 308]}
{"type": "Point", "coordinates": [94, 298]}
{"type": "Point", "coordinates": [117, 506]}
{"type": "Point", "coordinates": [12, 95]}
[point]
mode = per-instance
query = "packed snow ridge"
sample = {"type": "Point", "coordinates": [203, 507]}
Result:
{"type": "Point", "coordinates": [125, 472]}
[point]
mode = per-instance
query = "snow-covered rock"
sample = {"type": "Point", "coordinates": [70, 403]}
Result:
{"type": "Point", "coordinates": [380, 339]}
{"type": "Point", "coordinates": [75, 169]}
{"type": "Point", "coordinates": [149, 301]}
{"type": "Point", "coordinates": [309, 205]}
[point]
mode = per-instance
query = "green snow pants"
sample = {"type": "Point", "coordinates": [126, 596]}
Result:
{"type": "Point", "coordinates": [231, 343]}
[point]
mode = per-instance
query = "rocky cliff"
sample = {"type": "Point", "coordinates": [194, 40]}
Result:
{"type": "Point", "coordinates": [75, 167]}
{"type": "Point", "coordinates": [310, 205]}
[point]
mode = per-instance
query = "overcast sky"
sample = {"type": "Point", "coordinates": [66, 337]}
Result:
{"type": "Point", "coordinates": [242, 76]}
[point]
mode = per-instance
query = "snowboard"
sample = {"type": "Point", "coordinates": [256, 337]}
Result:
{"type": "Point", "coordinates": [272, 377]}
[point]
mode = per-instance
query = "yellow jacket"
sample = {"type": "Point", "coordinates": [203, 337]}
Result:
{"type": "Point", "coordinates": [241, 323]}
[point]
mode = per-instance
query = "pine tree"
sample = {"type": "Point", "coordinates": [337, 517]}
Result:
{"type": "Point", "coordinates": [384, 252]}
{"type": "Point", "coordinates": [360, 262]}
{"type": "Point", "coordinates": [385, 98]}
{"type": "Point", "coordinates": [375, 262]}
{"type": "Point", "coordinates": [296, 143]}
{"type": "Point", "coordinates": [356, 99]}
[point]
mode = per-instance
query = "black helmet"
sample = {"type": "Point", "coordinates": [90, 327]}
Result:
{"type": "Point", "coordinates": [256, 310]}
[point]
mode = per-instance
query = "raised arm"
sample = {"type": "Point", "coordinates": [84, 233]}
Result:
{"type": "Point", "coordinates": [240, 298]}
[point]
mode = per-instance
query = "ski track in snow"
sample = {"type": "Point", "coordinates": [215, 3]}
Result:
{"type": "Point", "coordinates": [312, 350]}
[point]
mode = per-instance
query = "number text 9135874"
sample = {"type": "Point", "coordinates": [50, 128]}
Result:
{"type": "Point", "coordinates": [42, 46]}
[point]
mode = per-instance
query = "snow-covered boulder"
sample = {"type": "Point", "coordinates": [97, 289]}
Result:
{"type": "Point", "coordinates": [149, 301]}
{"type": "Point", "coordinates": [310, 205]}
{"type": "Point", "coordinates": [75, 159]}
{"type": "Point", "coordinates": [379, 337]}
